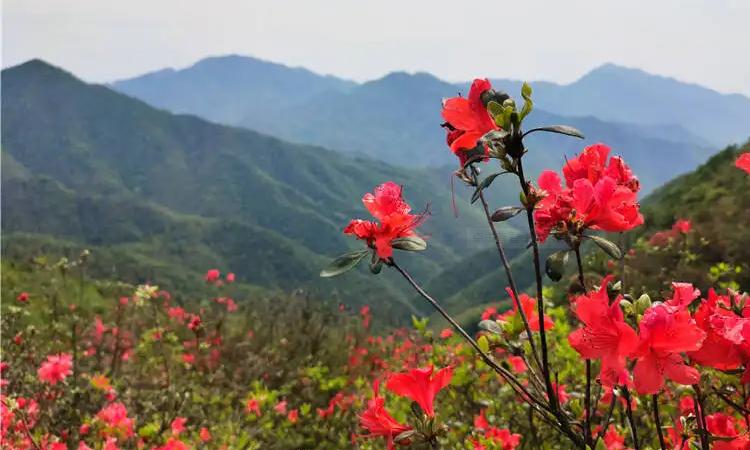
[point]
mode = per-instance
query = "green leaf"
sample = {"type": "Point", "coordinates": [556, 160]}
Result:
{"type": "Point", "coordinates": [505, 213]}
{"type": "Point", "coordinates": [343, 263]}
{"type": "Point", "coordinates": [495, 109]}
{"type": "Point", "coordinates": [491, 326]}
{"type": "Point", "coordinates": [642, 304]}
{"type": "Point", "coordinates": [484, 344]}
{"type": "Point", "coordinates": [410, 243]}
{"type": "Point", "coordinates": [608, 246]}
{"type": "Point", "coordinates": [555, 265]}
{"type": "Point", "coordinates": [419, 324]}
{"type": "Point", "coordinates": [528, 105]}
{"type": "Point", "coordinates": [404, 435]}
{"type": "Point", "coordinates": [485, 183]}
{"type": "Point", "coordinates": [560, 129]}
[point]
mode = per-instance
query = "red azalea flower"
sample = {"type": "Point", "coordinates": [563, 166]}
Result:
{"type": "Point", "coordinates": [738, 443]}
{"type": "Point", "coordinates": [717, 351]}
{"type": "Point", "coordinates": [467, 119]}
{"type": "Point", "coordinates": [173, 444]}
{"type": "Point", "coordinates": [178, 425]}
{"type": "Point", "coordinates": [596, 197]}
{"type": "Point", "coordinates": [23, 297]}
{"type": "Point", "coordinates": [204, 434]}
{"type": "Point", "coordinates": [446, 333]}
{"type": "Point", "coordinates": [517, 363]}
{"type": "Point", "coordinates": [212, 276]}
{"type": "Point", "coordinates": [591, 164]}
{"type": "Point", "coordinates": [721, 424]}
{"type": "Point", "coordinates": [683, 295]}
{"type": "Point", "coordinates": [253, 405]}
{"type": "Point", "coordinates": [116, 420]}
{"type": "Point", "coordinates": [743, 162]}
{"type": "Point", "coordinates": [614, 440]}
{"type": "Point", "coordinates": [280, 407]}
{"type": "Point", "coordinates": [393, 214]}
{"type": "Point", "coordinates": [528, 304]}
{"type": "Point", "coordinates": [230, 277]}
{"type": "Point", "coordinates": [56, 368]}
{"type": "Point", "coordinates": [293, 415]}
{"type": "Point", "coordinates": [561, 392]}
{"type": "Point", "coordinates": [605, 335]}
{"type": "Point", "coordinates": [503, 436]}
{"type": "Point", "coordinates": [682, 225]}
{"type": "Point", "coordinates": [480, 421]}
{"type": "Point", "coordinates": [421, 385]}
{"type": "Point", "coordinates": [665, 332]}
{"type": "Point", "coordinates": [376, 420]}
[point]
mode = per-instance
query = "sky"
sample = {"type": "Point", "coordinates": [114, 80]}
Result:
{"type": "Point", "coordinates": [699, 41]}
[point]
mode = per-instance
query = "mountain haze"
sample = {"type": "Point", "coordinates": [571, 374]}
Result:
{"type": "Point", "coordinates": [396, 118]}
{"type": "Point", "coordinates": [84, 164]}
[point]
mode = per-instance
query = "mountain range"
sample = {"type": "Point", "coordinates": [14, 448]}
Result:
{"type": "Point", "coordinates": [177, 172]}
{"type": "Point", "coordinates": [663, 127]}
{"type": "Point", "coordinates": [163, 196]}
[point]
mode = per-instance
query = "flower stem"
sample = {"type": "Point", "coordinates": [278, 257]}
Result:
{"type": "Point", "coordinates": [561, 424]}
{"type": "Point", "coordinates": [701, 418]}
{"type": "Point", "coordinates": [587, 395]}
{"type": "Point", "coordinates": [540, 299]}
{"type": "Point", "coordinates": [485, 357]}
{"type": "Point", "coordinates": [655, 402]}
{"type": "Point", "coordinates": [631, 422]}
{"type": "Point", "coordinates": [508, 271]}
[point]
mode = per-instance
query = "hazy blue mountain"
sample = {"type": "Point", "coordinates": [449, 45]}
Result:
{"type": "Point", "coordinates": [635, 96]}
{"type": "Point", "coordinates": [166, 196]}
{"type": "Point", "coordinates": [222, 89]}
{"type": "Point", "coordinates": [396, 118]}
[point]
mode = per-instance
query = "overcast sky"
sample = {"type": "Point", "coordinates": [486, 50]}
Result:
{"type": "Point", "coordinates": [701, 41]}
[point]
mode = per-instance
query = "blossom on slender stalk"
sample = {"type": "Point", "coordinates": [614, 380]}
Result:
{"type": "Point", "coordinates": [467, 120]}
{"type": "Point", "coordinates": [421, 385]}
{"type": "Point", "coordinates": [394, 219]}
{"type": "Point", "coordinates": [605, 334]}
{"type": "Point", "coordinates": [376, 420]}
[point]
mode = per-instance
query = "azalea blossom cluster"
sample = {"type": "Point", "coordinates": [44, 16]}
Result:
{"type": "Point", "coordinates": [394, 219]}
{"type": "Point", "coordinates": [662, 238]}
{"type": "Point", "coordinates": [599, 194]}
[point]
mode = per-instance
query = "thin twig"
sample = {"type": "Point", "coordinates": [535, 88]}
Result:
{"type": "Point", "coordinates": [540, 298]}
{"type": "Point", "coordinates": [698, 404]}
{"type": "Point", "coordinates": [657, 419]}
{"type": "Point", "coordinates": [587, 395]}
{"type": "Point", "coordinates": [561, 424]}
{"type": "Point", "coordinates": [631, 421]}
{"type": "Point", "coordinates": [607, 418]}
{"type": "Point", "coordinates": [508, 272]}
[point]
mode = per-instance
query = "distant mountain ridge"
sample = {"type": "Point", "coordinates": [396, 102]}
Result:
{"type": "Point", "coordinates": [231, 86]}
{"type": "Point", "coordinates": [396, 118]}
{"type": "Point", "coordinates": [162, 196]}
{"type": "Point", "coordinates": [635, 96]}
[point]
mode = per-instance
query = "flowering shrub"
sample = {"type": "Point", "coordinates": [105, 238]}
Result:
{"type": "Point", "coordinates": [608, 353]}
{"type": "Point", "coordinates": [677, 340]}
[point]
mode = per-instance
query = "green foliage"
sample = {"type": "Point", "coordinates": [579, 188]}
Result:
{"type": "Point", "coordinates": [167, 196]}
